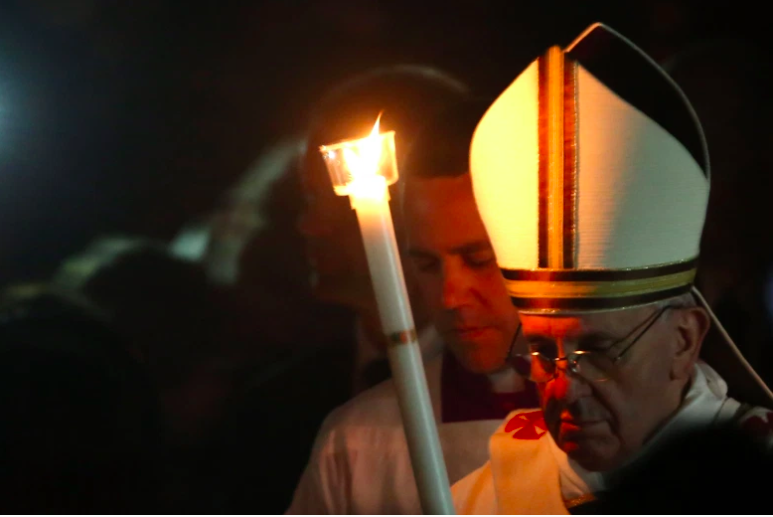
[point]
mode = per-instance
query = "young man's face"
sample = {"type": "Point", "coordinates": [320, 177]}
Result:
{"type": "Point", "coordinates": [457, 271]}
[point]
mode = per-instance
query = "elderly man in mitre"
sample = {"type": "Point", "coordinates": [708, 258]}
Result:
{"type": "Point", "coordinates": [591, 174]}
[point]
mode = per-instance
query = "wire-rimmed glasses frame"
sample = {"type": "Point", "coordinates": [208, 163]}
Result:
{"type": "Point", "coordinates": [592, 365]}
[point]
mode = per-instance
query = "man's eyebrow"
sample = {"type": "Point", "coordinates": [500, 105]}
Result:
{"type": "Point", "coordinates": [594, 335]}
{"type": "Point", "coordinates": [419, 253]}
{"type": "Point", "coordinates": [599, 335]}
{"type": "Point", "coordinates": [472, 247]}
{"type": "Point", "coordinates": [543, 338]}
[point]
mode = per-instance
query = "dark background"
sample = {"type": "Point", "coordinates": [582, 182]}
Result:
{"type": "Point", "coordinates": [133, 116]}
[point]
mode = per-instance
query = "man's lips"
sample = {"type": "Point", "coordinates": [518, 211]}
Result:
{"type": "Point", "coordinates": [580, 423]}
{"type": "Point", "coordinates": [579, 426]}
{"type": "Point", "coordinates": [470, 331]}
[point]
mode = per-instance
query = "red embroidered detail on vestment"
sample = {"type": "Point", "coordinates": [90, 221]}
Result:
{"type": "Point", "coordinates": [527, 426]}
{"type": "Point", "coordinates": [759, 426]}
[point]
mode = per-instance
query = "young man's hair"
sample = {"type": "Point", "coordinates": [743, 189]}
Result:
{"type": "Point", "coordinates": [442, 147]}
{"type": "Point", "coordinates": [406, 96]}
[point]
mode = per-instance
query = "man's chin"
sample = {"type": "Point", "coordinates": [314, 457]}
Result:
{"type": "Point", "coordinates": [593, 457]}
{"type": "Point", "coordinates": [478, 359]}
{"type": "Point", "coordinates": [475, 338]}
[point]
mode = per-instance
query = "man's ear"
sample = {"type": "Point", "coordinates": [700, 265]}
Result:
{"type": "Point", "coordinates": [692, 325]}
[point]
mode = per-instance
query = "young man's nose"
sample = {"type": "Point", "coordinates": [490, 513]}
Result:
{"type": "Point", "coordinates": [456, 289]}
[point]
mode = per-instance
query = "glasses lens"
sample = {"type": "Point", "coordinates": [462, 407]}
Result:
{"type": "Point", "coordinates": [594, 366]}
{"type": "Point", "coordinates": [534, 366]}
{"type": "Point", "coordinates": [542, 367]}
{"type": "Point", "coordinates": [522, 364]}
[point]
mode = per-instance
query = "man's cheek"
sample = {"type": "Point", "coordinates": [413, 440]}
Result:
{"type": "Point", "coordinates": [428, 286]}
{"type": "Point", "coordinates": [551, 410]}
{"type": "Point", "coordinates": [545, 392]}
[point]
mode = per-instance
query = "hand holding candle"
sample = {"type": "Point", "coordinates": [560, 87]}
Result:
{"type": "Point", "coordinates": [363, 169]}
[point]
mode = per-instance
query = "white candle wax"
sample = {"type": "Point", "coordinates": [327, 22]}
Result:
{"type": "Point", "coordinates": [370, 199]}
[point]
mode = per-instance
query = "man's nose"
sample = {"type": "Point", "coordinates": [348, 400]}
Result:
{"type": "Point", "coordinates": [568, 386]}
{"type": "Point", "coordinates": [456, 289]}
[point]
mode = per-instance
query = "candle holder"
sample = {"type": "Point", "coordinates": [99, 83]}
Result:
{"type": "Point", "coordinates": [353, 164]}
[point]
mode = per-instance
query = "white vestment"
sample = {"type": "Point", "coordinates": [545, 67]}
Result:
{"type": "Point", "coordinates": [360, 462]}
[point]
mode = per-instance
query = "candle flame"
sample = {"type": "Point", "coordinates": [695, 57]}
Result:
{"type": "Point", "coordinates": [363, 164]}
{"type": "Point", "coordinates": [362, 167]}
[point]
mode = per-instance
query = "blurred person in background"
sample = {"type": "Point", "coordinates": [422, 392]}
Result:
{"type": "Point", "coordinates": [168, 313]}
{"type": "Point", "coordinates": [249, 248]}
{"type": "Point", "coordinates": [282, 342]}
{"type": "Point", "coordinates": [80, 431]}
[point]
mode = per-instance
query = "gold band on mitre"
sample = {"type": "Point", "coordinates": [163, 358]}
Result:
{"type": "Point", "coordinates": [557, 209]}
{"type": "Point", "coordinates": [597, 289]}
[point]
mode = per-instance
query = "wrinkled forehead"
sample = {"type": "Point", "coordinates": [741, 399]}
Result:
{"type": "Point", "coordinates": [556, 325]}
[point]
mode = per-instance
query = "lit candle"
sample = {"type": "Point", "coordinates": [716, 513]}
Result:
{"type": "Point", "coordinates": [363, 169]}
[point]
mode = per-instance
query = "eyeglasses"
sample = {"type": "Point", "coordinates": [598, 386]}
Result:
{"type": "Point", "coordinates": [592, 365]}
